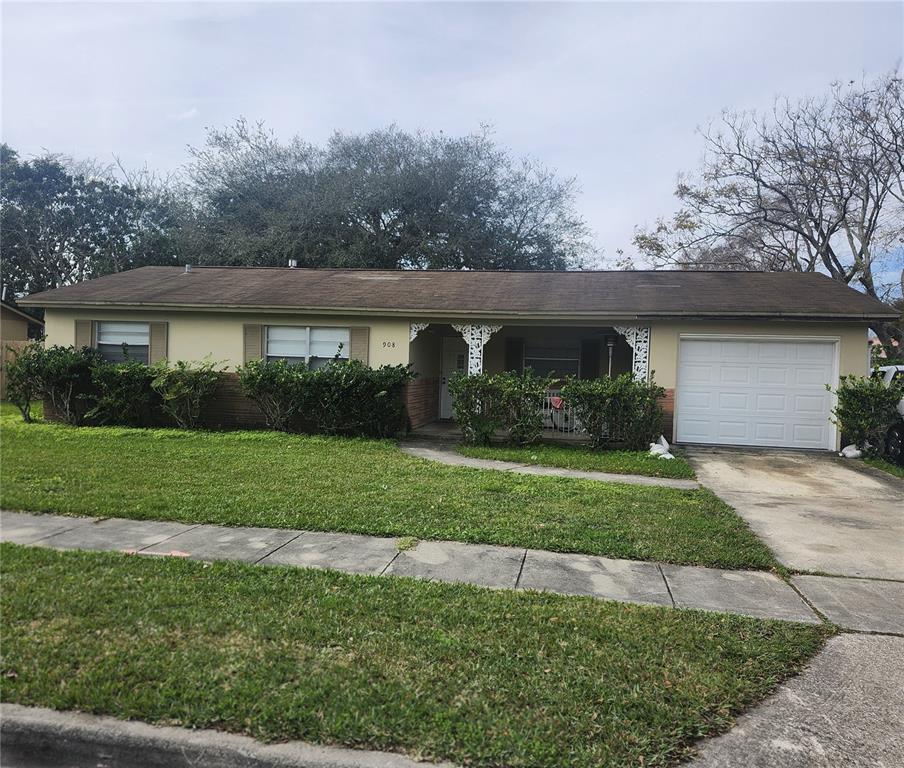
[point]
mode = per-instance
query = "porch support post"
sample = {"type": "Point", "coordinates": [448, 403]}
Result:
{"type": "Point", "coordinates": [639, 339]}
{"type": "Point", "coordinates": [414, 329]}
{"type": "Point", "coordinates": [476, 336]}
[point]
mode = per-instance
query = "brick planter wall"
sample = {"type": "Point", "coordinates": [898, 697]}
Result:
{"type": "Point", "coordinates": [422, 401]}
{"type": "Point", "coordinates": [230, 409]}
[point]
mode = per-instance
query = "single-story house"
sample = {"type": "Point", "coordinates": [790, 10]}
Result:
{"type": "Point", "coordinates": [744, 357]}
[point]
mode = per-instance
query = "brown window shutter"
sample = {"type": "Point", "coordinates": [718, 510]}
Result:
{"type": "Point", "coordinates": [514, 355]}
{"type": "Point", "coordinates": [253, 342]}
{"type": "Point", "coordinates": [159, 339]}
{"type": "Point", "coordinates": [84, 333]}
{"type": "Point", "coordinates": [359, 344]}
{"type": "Point", "coordinates": [590, 359]}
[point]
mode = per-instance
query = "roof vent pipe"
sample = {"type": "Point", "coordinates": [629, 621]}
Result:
{"type": "Point", "coordinates": [187, 268]}
{"type": "Point", "coordinates": [293, 263]}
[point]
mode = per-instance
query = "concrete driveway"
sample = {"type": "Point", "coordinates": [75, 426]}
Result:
{"type": "Point", "coordinates": [817, 512]}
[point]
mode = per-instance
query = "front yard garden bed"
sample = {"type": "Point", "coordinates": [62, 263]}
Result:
{"type": "Point", "coordinates": [480, 677]}
{"type": "Point", "coordinates": [271, 479]}
{"type": "Point", "coordinates": [584, 458]}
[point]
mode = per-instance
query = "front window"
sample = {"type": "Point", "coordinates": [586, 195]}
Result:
{"type": "Point", "coordinates": [301, 344]}
{"type": "Point", "coordinates": [562, 361]}
{"type": "Point", "coordinates": [118, 342]}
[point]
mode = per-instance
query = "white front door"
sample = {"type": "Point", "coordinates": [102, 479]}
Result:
{"type": "Point", "coordinates": [455, 357]}
{"type": "Point", "coordinates": [755, 392]}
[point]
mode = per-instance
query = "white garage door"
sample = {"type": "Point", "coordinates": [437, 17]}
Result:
{"type": "Point", "coordinates": [754, 392]}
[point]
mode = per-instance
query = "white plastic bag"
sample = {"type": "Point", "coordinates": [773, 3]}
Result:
{"type": "Point", "coordinates": [664, 443]}
{"type": "Point", "coordinates": [851, 452]}
{"type": "Point", "coordinates": [656, 449]}
{"type": "Point", "coordinates": [666, 455]}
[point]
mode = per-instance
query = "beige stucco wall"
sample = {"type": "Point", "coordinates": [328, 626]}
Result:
{"type": "Point", "coordinates": [218, 335]}
{"type": "Point", "coordinates": [853, 355]}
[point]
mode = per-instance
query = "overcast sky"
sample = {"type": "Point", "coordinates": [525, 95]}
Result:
{"type": "Point", "coordinates": [611, 93]}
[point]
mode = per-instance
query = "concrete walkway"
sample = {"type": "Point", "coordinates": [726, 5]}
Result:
{"type": "Point", "coordinates": [857, 604]}
{"type": "Point", "coordinates": [448, 455]}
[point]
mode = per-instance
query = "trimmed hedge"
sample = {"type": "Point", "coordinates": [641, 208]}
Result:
{"type": "Point", "coordinates": [342, 398]}
{"type": "Point", "coordinates": [83, 388]}
{"type": "Point", "coordinates": [620, 410]}
{"type": "Point", "coordinates": [866, 410]}
{"type": "Point", "coordinates": [345, 397]}
{"type": "Point", "coordinates": [485, 403]}
{"type": "Point", "coordinates": [612, 411]}
{"type": "Point", "coordinates": [62, 375]}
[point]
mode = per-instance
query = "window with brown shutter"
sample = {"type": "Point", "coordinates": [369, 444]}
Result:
{"type": "Point", "coordinates": [253, 342]}
{"type": "Point", "coordinates": [158, 342]}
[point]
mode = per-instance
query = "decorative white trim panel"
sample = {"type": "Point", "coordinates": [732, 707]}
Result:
{"type": "Point", "coordinates": [638, 337]}
{"type": "Point", "coordinates": [414, 329]}
{"type": "Point", "coordinates": [476, 336]}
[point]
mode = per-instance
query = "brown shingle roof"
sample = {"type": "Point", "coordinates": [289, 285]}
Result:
{"type": "Point", "coordinates": [644, 294]}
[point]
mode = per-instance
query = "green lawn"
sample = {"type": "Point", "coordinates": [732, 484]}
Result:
{"type": "Point", "coordinates": [886, 466]}
{"type": "Point", "coordinates": [480, 677]}
{"type": "Point", "coordinates": [359, 486]}
{"type": "Point", "coordinates": [581, 457]}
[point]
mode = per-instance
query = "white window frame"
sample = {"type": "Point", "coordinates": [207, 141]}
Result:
{"type": "Point", "coordinates": [307, 328]}
{"type": "Point", "coordinates": [98, 329]}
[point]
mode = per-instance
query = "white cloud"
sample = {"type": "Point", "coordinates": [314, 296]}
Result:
{"type": "Point", "coordinates": [187, 114]}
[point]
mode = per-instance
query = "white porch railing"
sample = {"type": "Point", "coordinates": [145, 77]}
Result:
{"type": "Point", "coordinates": [558, 417]}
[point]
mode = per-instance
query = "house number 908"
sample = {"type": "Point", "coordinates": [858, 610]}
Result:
{"type": "Point", "coordinates": [388, 345]}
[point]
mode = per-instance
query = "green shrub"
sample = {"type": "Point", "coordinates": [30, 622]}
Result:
{"type": "Point", "coordinates": [64, 378]}
{"type": "Point", "coordinates": [475, 405]}
{"type": "Point", "coordinates": [124, 395]}
{"type": "Point", "coordinates": [346, 397]}
{"type": "Point", "coordinates": [184, 389]}
{"type": "Point", "coordinates": [274, 385]}
{"type": "Point", "coordinates": [865, 410]}
{"type": "Point", "coordinates": [23, 377]}
{"type": "Point", "coordinates": [519, 402]}
{"type": "Point", "coordinates": [618, 410]}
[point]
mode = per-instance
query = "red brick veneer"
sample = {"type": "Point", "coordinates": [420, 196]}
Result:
{"type": "Point", "coordinates": [667, 402]}
{"type": "Point", "coordinates": [422, 400]}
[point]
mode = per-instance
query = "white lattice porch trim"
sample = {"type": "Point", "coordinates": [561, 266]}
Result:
{"type": "Point", "coordinates": [638, 337]}
{"type": "Point", "coordinates": [476, 336]}
{"type": "Point", "coordinates": [414, 329]}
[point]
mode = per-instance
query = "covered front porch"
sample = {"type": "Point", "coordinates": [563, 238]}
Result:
{"type": "Point", "coordinates": [439, 349]}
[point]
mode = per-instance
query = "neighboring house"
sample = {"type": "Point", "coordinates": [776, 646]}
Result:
{"type": "Point", "coordinates": [16, 325]}
{"type": "Point", "coordinates": [744, 357]}
{"type": "Point", "coordinates": [16, 328]}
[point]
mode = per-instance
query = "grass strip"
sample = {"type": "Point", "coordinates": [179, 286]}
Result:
{"type": "Point", "coordinates": [581, 457]}
{"type": "Point", "coordinates": [439, 671]}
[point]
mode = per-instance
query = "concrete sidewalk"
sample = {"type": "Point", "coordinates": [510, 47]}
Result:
{"type": "Point", "coordinates": [448, 455]}
{"type": "Point", "coordinates": [858, 604]}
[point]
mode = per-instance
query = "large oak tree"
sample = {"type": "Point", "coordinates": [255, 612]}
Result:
{"type": "Point", "coordinates": [386, 199]}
